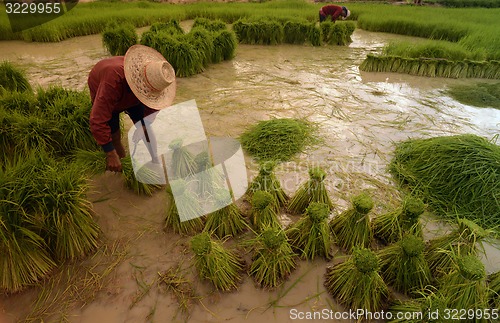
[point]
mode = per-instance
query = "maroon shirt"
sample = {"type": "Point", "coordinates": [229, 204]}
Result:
{"type": "Point", "coordinates": [110, 95]}
{"type": "Point", "coordinates": [331, 10]}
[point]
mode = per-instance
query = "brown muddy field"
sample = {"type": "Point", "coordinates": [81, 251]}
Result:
{"type": "Point", "coordinates": [359, 117]}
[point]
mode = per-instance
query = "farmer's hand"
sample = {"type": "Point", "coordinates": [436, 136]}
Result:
{"type": "Point", "coordinates": [113, 161]}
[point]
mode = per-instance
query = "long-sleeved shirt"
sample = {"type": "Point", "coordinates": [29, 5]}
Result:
{"type": "Point", "coordinates": [331, 10]}
{"type": "Point", "coordinates": [110, 95]}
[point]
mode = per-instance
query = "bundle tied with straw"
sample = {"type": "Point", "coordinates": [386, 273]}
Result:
{"type": "Point", "coordinates": [463, 240]}
{"type": "Point", "coordinates": [263, 212]}
{"type": "Point", "coordinates": [313, 190]}
{"type": "Point", "coordinates": [182, 163]}
{"type": "Point", "coordinates": [227, 220]}
{"type": "Point", "coordinates": [391, 227]}
{"type": "Point", "coordinates": [188, 204]}
{"type": "Point", "coordinates": [429, 300]}
{"type": "Point", "coordinates": [267, 181]}
{"type": "Point", "coordinates": [209, 178]}
{"type": "Point", "coordinates": [352, 227]}
{"type": "Point", "coordinates": [465, 287]}
{"type": "Point", "coordinates": [216, 264]}
{"type": "Point", "coordinates": [403, 265]}
{"type": "Point", "coordinates": [273, 258]}
{"type": "Point", "coordinates": [356, 283]}
{"type": "Point", "coordinates": [311, 234]}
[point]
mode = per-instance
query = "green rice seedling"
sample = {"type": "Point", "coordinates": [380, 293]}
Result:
{"type": "Point", "coordinates": [478, 94]}
{"type": "Point", "coordinates": [313, 190]}
{"type": "Point", "coordinates": [454, 175]}
{"type": "Point", "coordinates": [171, 26]}
{"type": "Point", "coordinates": [404, 266]}
{"type": "Point", "coordinates": [144, 173]}
{"type": "Point", "coordinates": [12, 78]}
{"type": "Point", "coordinates": [34, 132]}
{"type": "Point", "coordinates": [165, 43]}
{"type": "Point", "coordinates": [326, 27]}
{"type": "Point", "coordinates": [261, 31]}
{"type": "Point", "coordinates": [185, 59]}
{"type": "Point", "coordinates": [267, 181]}
{"type": "Point", "coordinates": [428, 301]}
{"type": "Point", "coordinates": [296, 31]}
{"type": "Point", "coordinates": [314, 35]}
{"type": "Point", "coordinates": [278, 139]}
{"type": "Point", "coordinates": [311, 234]}
{"type": "Point", "coordinates": [203, 41]}
{"type": "Point", "coordinates": [356, 283]}
{"type": "Point", "coordinates": [182, 163]}
{"type": "Point", "coordinates": [91, 161]}
{"type": "Point", "coordinates": [392, 226]}
{"type": "Point", "coordinates": [273, 259]}
{"type": "Point", "coordinates": [24, 103]}
{"type": "Point", "coordinates": [227, 220]}
{"type": "Point", "coordinates": [224, 46]}
{"type": "Point", "coordinates": [210, 25]}
{"type": "Point", "coordinates": [494, 289]}
{"type": "Point", "coordinates": [118, 39]}
{"type": "Point", "coordinates": [189, 204]}
{"type": "Point", "coordinates": [263, 212]}
{"type": "Point", "coordinates": [464, 240]}
{"type": "Point", "coordinates": [338, 35]}
{"type": "Point", "coordinates": [351, 228]}
{"type": "Point", "coordinates": [465, 287]}
{"type": "Point", "coordinates": [209, 178]}
{"type": "Point", "coordinates": [214, 263]}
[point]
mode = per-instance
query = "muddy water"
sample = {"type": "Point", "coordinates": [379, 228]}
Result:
{"type": "Point", "coordinates": [359, 116]}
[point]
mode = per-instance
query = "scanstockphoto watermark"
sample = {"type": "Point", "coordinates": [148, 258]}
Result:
{"type": "Point", "coordinates": [353, 315]}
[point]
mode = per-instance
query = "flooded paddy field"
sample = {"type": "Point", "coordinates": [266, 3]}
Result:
{"type": "Point", "coordinates": [359, 117]}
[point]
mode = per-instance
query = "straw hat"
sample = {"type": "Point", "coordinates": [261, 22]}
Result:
{"type": "Point", "coordinates": [150, 77]}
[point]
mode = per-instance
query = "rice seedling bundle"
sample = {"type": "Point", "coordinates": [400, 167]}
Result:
{"type": "Point", "coordinates": [494, 288]}
{"type": "Point", "coordinates": [314, 35]}
{"type": "Point", "coordinates": [224, 46]}
{"type": "Point", "coordinates": [314, 190]}
{"type": "Point", "coordinates": [464, 240]}
{"type": "Point", "coordinates": [117, 39]}
{"type": "Point", "coordinates": [263, 212]}
{"type": "Point", "coordinates": [267, 181]}
{"type": "Point", "coordinates": [209, 178]}
{"type": "Point", "coordinates": [144, 173]}
{"type": "Point", "coordinates": [392, 226]}
{"type": "Point", "coordinates": [338, 35]}
{"type": "Point", "coordinates": [185, 59]}
{"type": "Point", "coordinates": [356, 283]}
{"type": "Point", "coordinates": [210, 25]}
{"type": "Point", "coordinates": [465, 287]}
{"type": "Point", "coordinates": [277, 139]}
{"type": "Point", "coordinates": [455, 175]}
{"type": "Point", "coordinates": [12, 78]}
{"type": "Point", "coordinates": [478, 94]}
{"type": "Point", "coordinates": [311, 234]}
{"type": "Point", "coordinates": [214, 263]}
{"type": "Point", "coordinates": [428, 301]}
{"type": "Point", "coordinates": [203, 41]}
{"type": "Point", "coordinates": [226, 221]}
{"type": "Point", "coordinates": [404, 266]}
{"type": "Point", "coordinates": [24, 103]}
{"type": "Point", "coordinates": [189, 204]}
{"type": "Point", "coordinates": [35, 133]}
{"type": "Point", "coordinates": [351, 228]}
{"type": "Point", "coordinates": [260, 32]}
{"type": "Point", "coordinates": [172, 26]}
{"type": "Point", "coordinates": [182, 163]}
{"type": "Point", "coordinates": [326, 27]}
{"type": "Point", "coordinates": [273, 259]}
{"type": "Point", "coordinates": [296, 31]}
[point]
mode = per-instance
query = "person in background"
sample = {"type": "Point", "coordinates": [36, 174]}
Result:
{"type": "Point", "coordinates": [139, 84]}
{"type": "Point", "coordinates": [334, 12]}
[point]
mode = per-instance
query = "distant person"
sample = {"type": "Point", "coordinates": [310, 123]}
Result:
{"type": "Point", "coordinates": [334, 12]}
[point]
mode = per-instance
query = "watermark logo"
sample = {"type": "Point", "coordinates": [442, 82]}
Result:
{"type": "Point", "coordinates": [25, 14]}
{"type": "Point", "coordinates": [204, 174]}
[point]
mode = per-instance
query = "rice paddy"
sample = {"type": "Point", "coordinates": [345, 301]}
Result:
{"type": "Point", "coordinates": [478, 95]}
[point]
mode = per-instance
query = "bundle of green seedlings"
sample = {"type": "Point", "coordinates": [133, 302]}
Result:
{"type": "Point", "coordinates": [310, 236]}
{"type": "Point", "coordinates": [313, 190]}
{"type": "Point", "coordinates": [356, 283]}
{"type": "Point", "coordinates": [391, 227]}
{"type": "Point", "coordinates": [455, 175]}
{"type": "Point", "coordinates": [12, 78]}
{"type": "Point", "coordinates": [466, 239]}
{"type": "Point", "coordinates": [185, 202]}
{"type": "Point", "coordinates": [479, 94]}
{"type": "Point", "coordinates": [273, 259]}
{"type": "Point", "coordinates": [494, 287]}
{"type": "Point", "coordinates": [117, 39]}
{"type": "Point", "coordinates": [209, 178]}
{"type": "Point", "coordinates": [216, 264]}
{"type": "Point", "coordinates": [263, 213]}
{"type": "Point", "coordinates": [182, 164]}
{"type": "Point", "coordinates": [300, 32]}
{"type": "Point", "coordinates": [338, 33]}
{"type": "Point", "coordinates": [465, 287]}
{"type": "Point", "coordinates": [94, 162]}
{"type": "Point", "coordinates": [351, 228]}
{"type": "Point", "coordinates": [432, 67]}
{"type": "Point", "coordinates": [428, 302]}
{"type": "Point", "coordinates": [208, 24]}
{"type": "Point", "coordinates": [277, 139]}
{"type": "Point", "coordinates": [259, 31]}
{"type": "Point", "coordinates": [267, 181]}
{"type": "Point", "coordinates": [227, 220]}
{"type": "Point", "coordinates": [403, 265]}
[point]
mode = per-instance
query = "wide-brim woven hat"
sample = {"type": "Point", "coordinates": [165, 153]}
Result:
{"type": "Point", "coordinates": [150, 77]}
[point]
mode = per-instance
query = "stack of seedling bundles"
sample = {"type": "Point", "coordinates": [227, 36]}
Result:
{"type": "Point", "coordinates": [428, 302]}
{"type": "Point", "coordinates": [117, 39]}
{"type": "Point", "coordinates": [338, 33]}
{"type": "Point", "coordinates": [356, 282]}
{"type": "Point", "coordinates": [12, 78]}
{"type": "Point", "coordinates": [207, 42]}
{"type": "Point", "coordinates": [432, 67]}
{"type": "Point", "coordinates": [216, 264]}
{"type": "Point", "coordinates": [310, 235]}
{"type": "Point", "coordinates": [267, 181]}
{"type": "Point", "coordinates": [351, 228]}
{"type": "Point", "coordinates": [189, 204]}
{"type": "Point", "coordinates": [228, 220]}
{"type": "Point", "coordinates": [313, 190]}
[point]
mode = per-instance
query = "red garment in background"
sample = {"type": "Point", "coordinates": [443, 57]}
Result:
{"type": "Point", "coordinates": [332, 10]}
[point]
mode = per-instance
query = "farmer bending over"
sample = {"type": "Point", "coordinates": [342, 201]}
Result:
{"type": "Point", "coordinates": [139, 84]}
{"type": "Point", "coordinates": [334, 12]}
